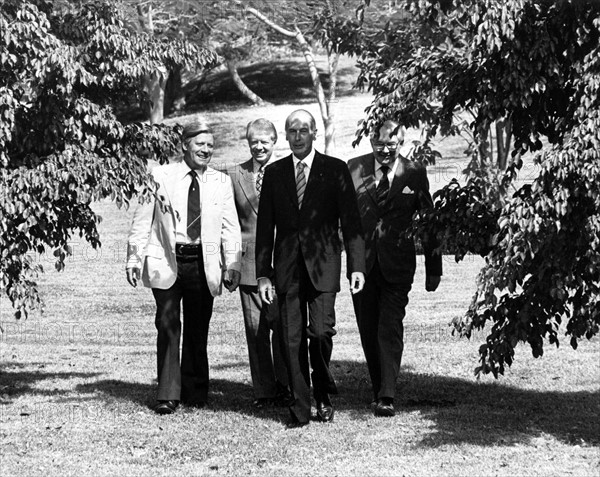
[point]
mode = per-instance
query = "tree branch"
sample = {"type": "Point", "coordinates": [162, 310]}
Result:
{"type": "Point", "coordinates": [263, 18]}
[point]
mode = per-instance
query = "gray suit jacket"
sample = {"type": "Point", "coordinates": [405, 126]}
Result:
{"type": "Point", "coordinates": [246, 203]}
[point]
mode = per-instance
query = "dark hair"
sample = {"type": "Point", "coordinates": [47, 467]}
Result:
{"type": "Point", "coordinates": [193, 129]}
{"type": "Point", "coordinates": [313, 123]}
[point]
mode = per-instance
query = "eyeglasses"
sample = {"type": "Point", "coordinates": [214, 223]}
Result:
{"type": "Point", "coordinates": [392, 146]}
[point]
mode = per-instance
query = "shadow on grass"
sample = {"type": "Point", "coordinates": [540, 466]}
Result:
{"type": "Point", "coordinates": [463, 411]}
{"type": "Point", "coordinates": [16, 383]}
{"type": "Point", "coordinates": [484, 414]}
{"type": "Point", "coordinates": [223, 395]}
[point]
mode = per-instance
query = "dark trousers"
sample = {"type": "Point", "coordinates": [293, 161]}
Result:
{"type": "Point", "coordinates": [302, 303]}
{"type": "Point", "coordinates": [267, 365]}
{"type": "Point", "coordinates": [380, 309]}
{"type": "Point", "coordinates": [187, 382]}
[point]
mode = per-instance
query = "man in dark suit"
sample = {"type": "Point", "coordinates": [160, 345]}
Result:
{"type": "Point", "coordinates": [389, 190]}
{"type": "Point", "coordinates": [268, 371]}
{"type": "Point", "coordinates": [305, 197]}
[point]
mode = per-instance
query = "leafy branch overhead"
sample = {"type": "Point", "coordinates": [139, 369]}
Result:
{"type": "Point", "coordinates": [61, 143]}
{"type": "Point", "coordinates": [530, 70]}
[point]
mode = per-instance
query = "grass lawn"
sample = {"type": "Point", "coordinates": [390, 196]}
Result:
{"type": "Point", "coordinates": [77, 382]}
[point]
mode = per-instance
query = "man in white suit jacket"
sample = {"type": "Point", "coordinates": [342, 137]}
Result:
{"type": "Point", "coordinates": [184, 244]}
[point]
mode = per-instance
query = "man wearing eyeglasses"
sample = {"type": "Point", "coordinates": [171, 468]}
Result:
{"type": "Point", "coordinates": [389, 190]}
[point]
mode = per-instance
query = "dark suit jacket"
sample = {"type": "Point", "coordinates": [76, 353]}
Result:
{"type": "Point", "coordinates": [384, 227]}
{"type": "Point", "coordinates": [283, 230]}
{"type": "Point", "coordinates": [246, 203]}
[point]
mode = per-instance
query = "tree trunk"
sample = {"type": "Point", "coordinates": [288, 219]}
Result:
{"type": "Point", "coordinates": [312, 68]}
{"type": "Point", "coordinates": [241, 86]}
{"type": "Point", "coordinates": [333, 59]}
{"type": "Point", "coordinates": [153, 103]}
{"type": "Point", "coordinates": [318, 89]}
{"type": "Point", "coordinates": [153, 84]}
{"type": "Point", "coordinates": [503, 137]}
{"type": "Point", "coordinates": [174, 94]}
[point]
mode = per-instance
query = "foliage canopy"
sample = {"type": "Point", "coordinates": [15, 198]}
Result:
{"type": "Point", "coordinates": [465, 66]}
{"type": "Point", "coordinates": [61, 144]}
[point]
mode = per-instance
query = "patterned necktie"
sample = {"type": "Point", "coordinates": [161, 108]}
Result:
{"type": "Point", "coordinates": [259, 179]}
{"type": "Point", "coordinates": [383, 187]}
{"type": "Point", "coordinates": [300, 182]}
{"type": "Point", "coordinates": [193, 208]}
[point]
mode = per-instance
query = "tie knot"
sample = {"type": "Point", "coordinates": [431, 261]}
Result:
{"type": "Point", "coordinates": [300, 166]}
{"type": "Point", "coordinates": [385, 169]}
{"type": "Point", "coordinates": [193, 174]}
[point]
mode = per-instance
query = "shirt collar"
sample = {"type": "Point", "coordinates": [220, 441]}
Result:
{"type": "Point", "coordinates": [308, 160]}
{"type": "Point", "coordinates": [184, 170]}
{"type": "Point", "coordinates": [392, 166]}
{"type": "Point", "coordinates": [257, 165]}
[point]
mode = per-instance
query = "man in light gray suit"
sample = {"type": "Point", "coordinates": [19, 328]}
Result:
{"type": "Point", "coordinates": [267, 367]}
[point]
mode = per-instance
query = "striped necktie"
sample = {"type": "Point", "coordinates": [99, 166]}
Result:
{"type": "Point", "coordinates": [383, 187]}
{"type": "Point", "coordinates": [300, 182]}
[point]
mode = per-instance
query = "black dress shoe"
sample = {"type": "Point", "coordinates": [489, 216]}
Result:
{"type": "Point", "coordinates": [166, 407]}
{"type": "Point", "coordinates": [385, 407]}
{"type": "Point", "coordinates": [324, 408]}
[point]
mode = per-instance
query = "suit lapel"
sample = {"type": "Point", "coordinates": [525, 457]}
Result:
{"type": "Point", "coordinates": [170, 181]}
{"type": "Point", "coordinates": [368, 176]}
{"type": "Point", "coordinates": [314, 178]}
{"type": "Point", "coordinates": [246, 180]}
{"type": "Point", "coordinates": [209, 186]}
{"type": "Point", "coordinates": [398, 181]}
{"type": "Point", "coordinates": [290, 179]}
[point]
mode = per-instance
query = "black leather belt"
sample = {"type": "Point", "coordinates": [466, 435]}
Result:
{"type": "Point", "coordinates": [188, 249]}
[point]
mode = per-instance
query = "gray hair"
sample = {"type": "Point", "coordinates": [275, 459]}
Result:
{"type": "Point", "coordinates": [262, 125]}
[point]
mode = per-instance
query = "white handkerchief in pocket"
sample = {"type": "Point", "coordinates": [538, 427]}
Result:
{"type": "Point", "coordinates": [407, 190]}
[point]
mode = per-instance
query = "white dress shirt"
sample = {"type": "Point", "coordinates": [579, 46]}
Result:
{"type": "Point", "coordinates": [391, 172]}
{"type": "Point", "coordinates": [308, 160]}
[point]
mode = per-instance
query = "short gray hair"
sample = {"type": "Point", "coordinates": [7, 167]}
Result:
{"type": "Point", "coordinates": [263, 125]}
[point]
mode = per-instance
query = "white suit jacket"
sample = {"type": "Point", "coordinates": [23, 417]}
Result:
{"type": "Point", "coordinates": [151, 242]}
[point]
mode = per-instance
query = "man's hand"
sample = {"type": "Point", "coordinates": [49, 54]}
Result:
{"type": "Point", "coordinates": [266, 290]}
{"type": "Point", "coordinates": [133, 276]}
{"type": "Point", "coordinates": [357, 282]}
{"type": "Point", "coordinates": [432, 282]}
{"type": "Point", "coordinates": [232, 280]}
